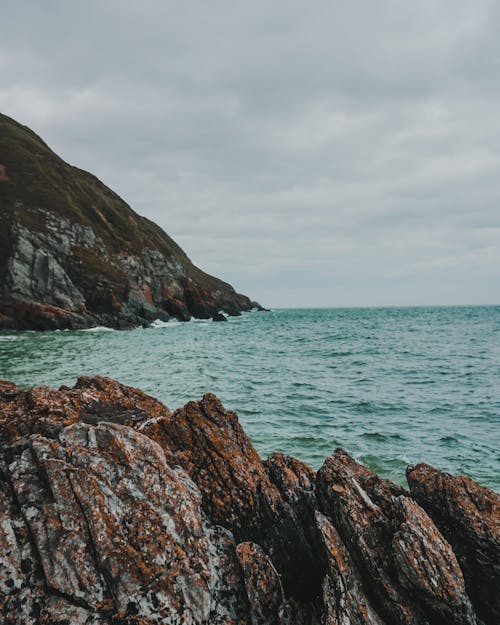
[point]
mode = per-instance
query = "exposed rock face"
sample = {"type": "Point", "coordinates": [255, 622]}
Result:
{"type": "Point", "coordinates": [345, 601]}
{"type": "Point", "coordinates": [73, 254]}
{"type": "Point", "coordinates": [413, 574]}
{"type": "Point", "coordinates": [114, 510]}
{"type": "Point", "coordinates": [468, 515]}
{"type": "Point", "coordinates": [263, 585]}
{"type": "Point", "coordinates": [209, 443]}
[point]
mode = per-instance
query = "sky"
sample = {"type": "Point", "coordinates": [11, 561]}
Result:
{"type": "Point", "coordinates": [322, 153]}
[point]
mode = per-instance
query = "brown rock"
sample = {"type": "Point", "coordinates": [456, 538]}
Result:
{"type": "Point", "coordinates": [468, 515]}
{"type": "Point", "coordinates": [427, 566]}
{"type": "Point", "coordinates": [263, 585]}
{"type": "Point", "coordinates": [344, 598]}
{"type": "Point", "coordinates": [117, 532]}
{"type": "Point", "coordinates": [209, 443]}
{"type": "Point", "coordinates": [295, 480]}
{"type": "Point", "coordinates": [377, 523]}
{"type": "Point", "coordinates": [46, 411]}
{"type": "Point", "coordinates": [117, 524]}
{"type": "Point", "coordinates": [20, 314]}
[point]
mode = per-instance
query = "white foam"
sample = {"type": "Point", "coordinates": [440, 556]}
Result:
{"type": "Point", "coordinates": [158, 323]}
{"type": "Point", "coordinates": [99, 329]}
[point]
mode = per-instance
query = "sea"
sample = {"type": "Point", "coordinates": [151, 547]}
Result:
{"type": "Point", "coordinates": [392, 386]}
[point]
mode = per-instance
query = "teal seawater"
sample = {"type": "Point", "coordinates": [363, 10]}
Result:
{"type": "Point", "coordinates": [393, 386]}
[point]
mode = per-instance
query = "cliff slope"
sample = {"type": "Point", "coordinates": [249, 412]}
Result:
{"type": "Point", "coordinates": [73, 254]}
{"type": "Point", "coordinates": [115, 510]}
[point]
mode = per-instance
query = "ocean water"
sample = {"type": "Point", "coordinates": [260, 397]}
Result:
{"type": "Point", "coordinates": [393, 386]}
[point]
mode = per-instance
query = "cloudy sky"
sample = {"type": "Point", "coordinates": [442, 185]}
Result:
{"type": "Point", "coordinates": [323, 153]}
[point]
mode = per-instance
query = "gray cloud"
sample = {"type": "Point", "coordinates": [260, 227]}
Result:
{"type": "Point", "coordinates": [325, 153]}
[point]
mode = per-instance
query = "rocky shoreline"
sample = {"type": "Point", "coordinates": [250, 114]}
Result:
{"type": "Point", "coordinates": [115, 510]}
{"type": "Point", "coordinates": [74, 255]}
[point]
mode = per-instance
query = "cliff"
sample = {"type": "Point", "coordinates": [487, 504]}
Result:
{"type": "Point", "coordinates": [115, 510]}
{"type": "Point", "coordinates": [73, 254]}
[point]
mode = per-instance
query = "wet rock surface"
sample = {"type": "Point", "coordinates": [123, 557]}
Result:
{"type": "Point", "coordinates": [115, 510]}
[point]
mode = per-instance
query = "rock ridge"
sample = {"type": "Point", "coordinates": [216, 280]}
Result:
{"type": "Point", "coordinates": [116, 510]}
{"type": "Point", "coordinates": [74, 255]}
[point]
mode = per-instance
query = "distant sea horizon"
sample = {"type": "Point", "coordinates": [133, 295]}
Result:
{"type": "Point", "coordinates": [370, 306]}
{"type": "Point", "coordinates": [393, 385]}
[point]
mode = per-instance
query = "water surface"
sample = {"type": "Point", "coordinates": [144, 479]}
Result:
{"type": "Point", "coordinates": [393, 386]}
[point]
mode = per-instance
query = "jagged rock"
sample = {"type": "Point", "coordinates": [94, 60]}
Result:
{"type": "Point", "coordinates": [115, 511]}
{"type": "Point", "coordinates": [75, 255]}
{"type": "Point", "coordinates": [427, 567]}
{"type": "Point", "coordinates": [410, 572]}
{"type": "Point", "coordinates": [344, 598]}
{"type": "Point", "coordinates": [209, 443]}
{"type": "Point", "coordinates": [295, 480]}
{"type": "Point", "coordinates": [229, 602]}
{"type": "Point", "coordinates": [263, 585]}
{"type": "Point", "coordinates": [119, 532]}
{"type": "Point", "coordinates": [468, 515]}
{"type": "Point", "coordinates": [46, 411]}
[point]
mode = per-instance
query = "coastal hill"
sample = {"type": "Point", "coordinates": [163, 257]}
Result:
{"type": "Point", "coordinates": [115, 510]}
{"type": "Point", "coordinates": [73, 254]}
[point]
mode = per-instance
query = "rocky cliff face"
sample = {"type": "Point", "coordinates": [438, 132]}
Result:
{"type": "Point", "coordinates": [73, 254]}
{"type": "Point", "coordinates": [114, 510]}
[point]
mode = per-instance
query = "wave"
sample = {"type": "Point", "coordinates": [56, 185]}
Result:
{"type": "Point", "coordinates": [158, 323]}
{"type": "Point", "coordinates": [99, 329]}
{"type": "Point", "coordinates": [378, 436]}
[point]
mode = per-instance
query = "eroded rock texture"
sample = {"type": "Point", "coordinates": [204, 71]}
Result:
{"type": "Point", "coordinates": [114, 510]}
{"type": "Point", "coordinates": [209, 443]}
{"type": "Point", "coordinates": [468, 515]}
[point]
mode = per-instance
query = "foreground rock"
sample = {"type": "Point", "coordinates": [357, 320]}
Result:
{"type": "Point", "coordinates": [115, 510]}
{"type": "Point", "coordinates": [74, 255]}
{"type": "Point", "coordinates": [468, 515]}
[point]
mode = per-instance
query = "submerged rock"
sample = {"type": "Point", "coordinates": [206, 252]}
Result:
{"type": "Point", "coordinates": [115, 510]}
{"type": "Point", "coordinates": [219, 317]}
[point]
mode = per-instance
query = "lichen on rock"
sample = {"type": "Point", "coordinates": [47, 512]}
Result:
{"type": "Point", "coordinates": [115, 510]}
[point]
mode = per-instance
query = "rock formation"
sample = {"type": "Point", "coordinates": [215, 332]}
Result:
{"type": "Point", "coordinates": [115, 510]}
{"type": "Point", "coordinates": [74, 255]}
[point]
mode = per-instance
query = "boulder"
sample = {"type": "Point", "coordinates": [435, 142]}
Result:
{"type": "Point", "coordinates": [219, 317]}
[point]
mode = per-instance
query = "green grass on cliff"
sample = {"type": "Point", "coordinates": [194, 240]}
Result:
{"type": "Point", "coordinates": [38, 178]}
{"type": "Point", "coordinates": [35, 182]}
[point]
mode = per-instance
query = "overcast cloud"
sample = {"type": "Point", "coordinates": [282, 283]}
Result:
{"type": "Point", "coordinates": [311, 153]}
